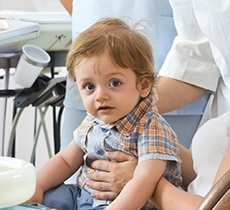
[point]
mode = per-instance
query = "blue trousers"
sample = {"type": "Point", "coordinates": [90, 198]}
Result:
{"type": "Point", "coordinates": [69, 197]}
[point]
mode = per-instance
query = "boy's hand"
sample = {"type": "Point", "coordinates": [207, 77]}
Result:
{"type": "Point", "coordinates": [37, 197]}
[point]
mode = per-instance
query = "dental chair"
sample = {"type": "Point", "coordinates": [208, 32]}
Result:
{"type": "Point", "coordinates": [218, 198]}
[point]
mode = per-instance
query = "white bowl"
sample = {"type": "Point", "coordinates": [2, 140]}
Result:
{"type": "Point", "coordinates": [17, 181]}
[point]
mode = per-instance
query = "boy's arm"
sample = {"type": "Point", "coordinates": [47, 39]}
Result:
{"type": "Point", "coordinates": [57, 169]}
{"type": "Point", "coordinates": [139, 189]}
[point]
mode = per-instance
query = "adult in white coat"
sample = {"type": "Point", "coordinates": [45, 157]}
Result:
{"type": "Point", "coordinates": [200, 58]}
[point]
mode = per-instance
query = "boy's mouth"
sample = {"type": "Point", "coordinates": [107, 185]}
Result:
{"type": "Point", "coordinates": [105, 108]}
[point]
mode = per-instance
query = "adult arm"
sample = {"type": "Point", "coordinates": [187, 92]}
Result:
{"type": "Point", "coordinates": [68, 5]}
{"type": "Point", "coordinates": [174, 94]}
{"type": "Point", "coordinates": [166, 196]}
{"type": "Point", "coordinates": [188, 173]}
{"type": "Point", "coordinates": [111, 177]}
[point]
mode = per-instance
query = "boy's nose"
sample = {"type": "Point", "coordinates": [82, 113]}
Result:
{"type": "Point", "coordinates": [102, 95]}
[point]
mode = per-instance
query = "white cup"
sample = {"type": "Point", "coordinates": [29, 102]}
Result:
{"type": "Point", "coordinates": [32, 61]}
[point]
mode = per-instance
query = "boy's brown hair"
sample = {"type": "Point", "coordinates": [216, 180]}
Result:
{"type": "Point", "coordinates": [126, 47]}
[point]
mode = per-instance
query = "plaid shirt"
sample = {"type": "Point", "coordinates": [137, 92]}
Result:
{"type": "Point", "coordinates": [143, 133]}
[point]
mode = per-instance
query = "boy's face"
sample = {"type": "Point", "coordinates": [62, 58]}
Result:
{"type": "Point", "coordinates": [108, 92]}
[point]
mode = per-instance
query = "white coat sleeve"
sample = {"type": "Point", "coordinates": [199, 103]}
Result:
{"type": "Point", "coordinates": [190, 58]}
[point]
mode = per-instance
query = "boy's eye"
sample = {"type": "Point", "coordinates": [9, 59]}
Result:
{"type": "Point", "coordinates": [89, 87]}
{"type": "Point", "coordinates": [115, 83]}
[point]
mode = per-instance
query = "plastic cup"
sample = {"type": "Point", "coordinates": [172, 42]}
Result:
{"type": "Point", "coordinates": [32, 61]}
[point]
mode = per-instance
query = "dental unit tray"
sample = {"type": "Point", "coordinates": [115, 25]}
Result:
{"type": "Point", "coordinates": [16, 32]}
{"type": "Point", "coordinates": [43, 92]}
{"type": "Point", "coordinates": [53, 94]}
{"type": "Point", "coordinates": [27, 96]}
{"type": "Point", "coordinates": [55, 30]}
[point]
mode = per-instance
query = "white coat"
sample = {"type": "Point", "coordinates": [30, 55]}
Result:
{"type": "Point", "coordinates": [200, 56]}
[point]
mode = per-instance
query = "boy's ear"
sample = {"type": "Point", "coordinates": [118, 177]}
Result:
{"type": "Point", "coordinates": [144, 87]}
